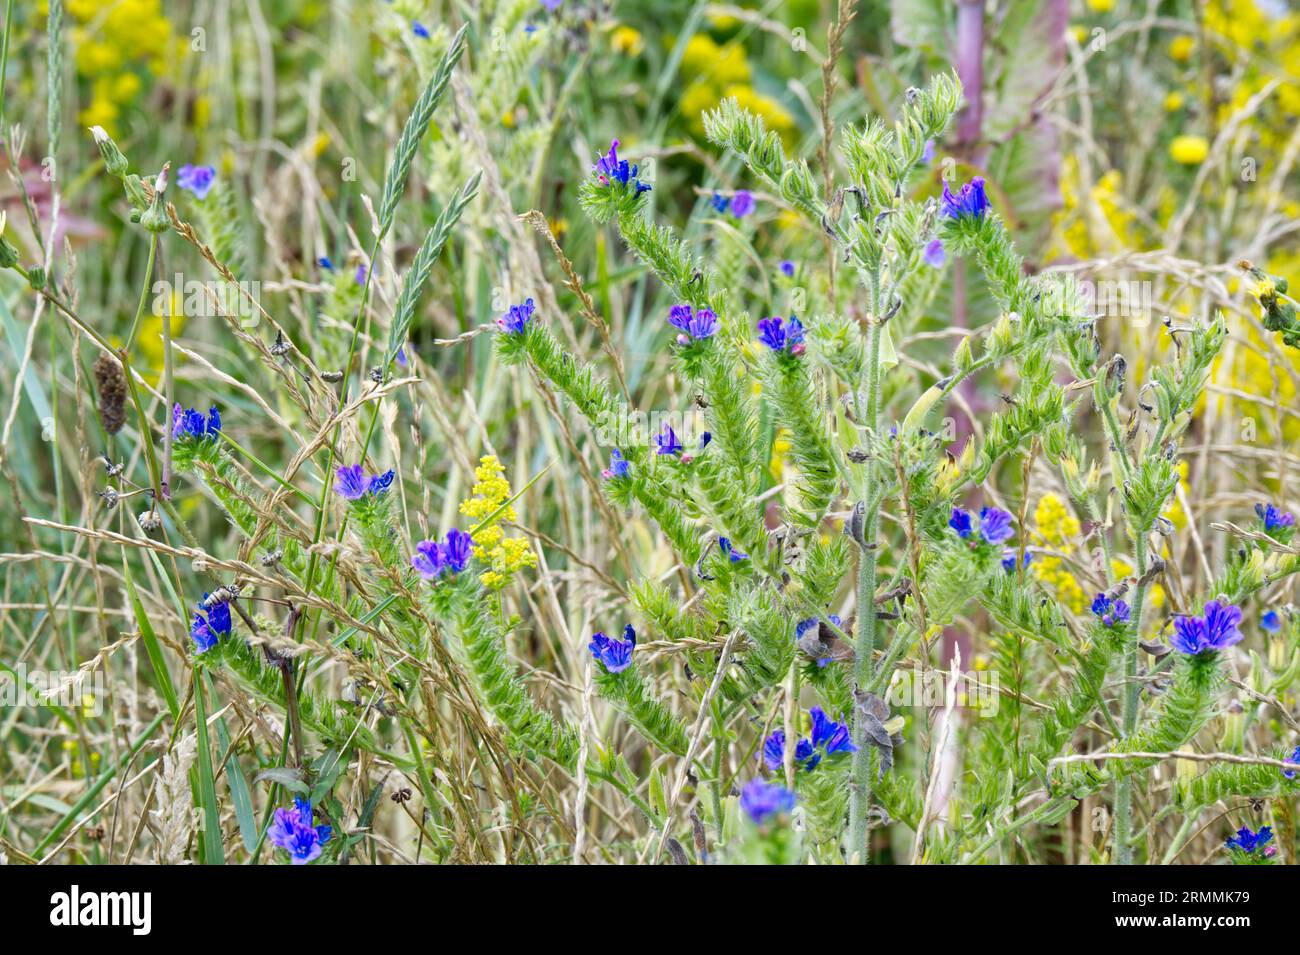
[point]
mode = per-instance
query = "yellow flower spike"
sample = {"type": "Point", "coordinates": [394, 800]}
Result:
{"type": "Point", "coordinates": [1189, 150]}
{"type": "Point", "coordinates": [504, 555]}
{"type": "Point", "coordinates": [1181, 48]}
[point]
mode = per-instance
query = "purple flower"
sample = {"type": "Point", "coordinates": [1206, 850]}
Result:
{"type": "Point", "coordinates": [618, 466]}
{"type": "Point", "coordinates": [516, 318]}
{"type": "Point", "coordinates": [787, 268]}
{"type": "Point", "coordinates": [667, 442]}
{"type": "Point", "coordinates": [188, 423]}
{"type": "Point", "coordinates": [292, 831]}
{"type": "Point", "coordinates": [927, 152]}
{"type": "Point", "coordinates": [971, 202]}
{"type": "Point", "coordinates": [1216, 630]}
{"type": "Point", "coordinates": [961, 522]}
{"type": "Point", "coordinates": [803, 626]}
{"type": "Point", "coordinates": [614, 653]}
{"type": "Point", "coordinates": [1111, 612]}
{"type": "Point", "coordinates": [205, 631]}
{"type": "Point", "coordinates": [433, 559]}
{"type": "Point", "coordinates": [552, 5]}
{"type": "Point", "coordinates": [1274, 519]}
{"type": "Point", "coordinates": [359, 276]}
{"type": "Point", "coordinates": [780, 336]}
{"type": "Point", "coordinates": [351, 483]}
{"type": "Point", "coordinates": [732, 554]}
{"type": "Point", "coordinates": [1293, 758]}
{"type": "Point", "coordinates": [934, 254]}
{"type": "Point", "coordinates": [1009, 556]}
{"type": "Point", "coordinates": [419, 29]}
{"type": "Point", "coordinates": [705, 438]}
{"type": "Point", "coordinates": [828, 736]}
{"type": "Point", "coordinates": [610, 169]}
{"type": "Point", "coordinates": [701, 324]}
{"type": "Point", "coordinates": [1248, 841]}
{"type": "Point", "coordinates": [679, 316]}
{"type": "Point", "coordinates": [1271, 621]}
{"type": "Point", "coordinates": [995, 525]}
{"type": "Point", "coordinates": [774, 752]}
{"type": "Point", "coordinates": [761, 800]}
{"type": "Point", "coordinates": [197, 179]}
{"type": "Point", "coordinates": [742, 203]}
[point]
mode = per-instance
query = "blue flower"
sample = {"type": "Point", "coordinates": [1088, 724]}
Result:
{"type": "Point", "coordinates": [609, 169]}
{"type": "Point", "coordinates": [1009, 556]}
{"type": "Point", "coordinates": [828, 736]}
{"type": "Point", "coordinates": [803, 626]}
{"type": "Point", "coordinates": [934, 254]}
{"type": "Point", "coordinates": [292, 831]}
{"type": "Point", "coordinates": [197, 179]}
{"type": "Point", "coordinates": [205, 631]}
{"type": "Point", "coordinates": [1248, 841]}
{"type": "Point", "coordinates": [1271, 621]}
{"type": "Point", "coordinates": [961, 522]}
{"type": "Point", "coordinates": [1274, 518]}
{"type": "Point", "coordinates": [705, 438]}
{"type": "Point", "coordinates": [359, 276]}
{"type": "Point", "coordinates": [352, 484]}
{"type": "Point", "coordinates": [774, 752]}
{"type": "Point", "coordinates": [732, 554]}
{"type": "Point", "coordinates": [781, 336]}
{"type": "Point", "coordinates": [188, 423]}
{"type": "Point", "coordinates": [618, 466]}
{"type": "Point", "coordinates": [970, 203]}
{"type": "Point", "coordinates": [419, 29]}
{"type": "Point", "coordinates": [742, 203]}
{"type": "Point", "coordinates": [325, 263]}
{"type": "Point", "coordinates": [516, 318]}
{"type": "Point", "coordinates": [1216, 630]}
{"type": "Point", "coordinates": [701, 324]}
{"type": "Point", "coordinates": [719, 202]}
{"type": "Point", "coordinates": [995, 525]}
{"type": "Point", "coordinates": [433, 559]}
{"type": "Point", "coordinates": [614, 653]}
{"type": "Point", "coordinates": [787, 268]}
{"type": "Point", "coordinates": [1293, 758]}
{"type": "Point", "coordinates": [1111, 612]}
{"type": "Point", "coordinates": [927, 151]}
{"type": "Point", "coordinates": [667, 442]}
{"type": "Point", "coordinates": [552, 5]}
{"type": "Point", "coordinates": [761, 800]}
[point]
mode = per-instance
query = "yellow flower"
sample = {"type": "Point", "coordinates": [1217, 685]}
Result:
{"type": "Point", "coordinates": [1101, 6]}
{"type": "Point", "coordinates": [504, 555]}
{"type": "Point", "coordinates": [1189, 150]}
{"type": "Point", "coordinates": [627, 40]}
{"type": "Point", "coordinates": [1174, 101]}
{"type": "Point", "coordinates": [1181, 47]}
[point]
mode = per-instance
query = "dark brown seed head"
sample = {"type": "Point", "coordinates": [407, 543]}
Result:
{"type": "Point", "coordinates": [111, 384]}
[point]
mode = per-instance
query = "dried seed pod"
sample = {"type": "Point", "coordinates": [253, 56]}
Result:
{"type": "Point", "coordinates": [111, 385]}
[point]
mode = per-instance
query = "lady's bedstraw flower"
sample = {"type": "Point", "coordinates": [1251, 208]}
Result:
{"type": "Point", "coordinates": [696, 325]}
{"type": "Point", "coordinates": [618, 466]}
{"type": "Point", "coordinates": [208, 628]}
{"type": "Point", "coordinates": [351, 484]}
{"type": "Point", "coordinates": [197, 179]}
{"type": "Point", "coordinates": [782, 336]}
{"type": "Point", "coordinates": [1278, 524]}
{"type": "Point", "coordinates": [490, 503]}
{"type": "Point", "coordinates": [610, 169]}
{"type": "Point", "coordinates": [761, 801]}
{"type": "Point", "coordinates": [1110, 612]}
{"type": "Point", "coordinates": [667, 442]}
{"type": "Point", "coordinates": [1216, 630]}
{"type": "Point", "coordinates": [970, 203]}
{"type": "Point", "coordinates": [994, 525]}
{"type": "Point", "coordinates": [191, 425]}
{"type": "Point", "coordinates": [516, 319]}
{"type": "Point", "coordinates": [615, 654]}
{"type": "Point", "coordinates": [1251, 847]}
{"type": "Point", "coordinates": [292, 831]}
{"type": "Point", "coordinates": [434, 560]}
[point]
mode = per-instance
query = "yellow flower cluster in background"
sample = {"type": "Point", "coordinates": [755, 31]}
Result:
{"type": "Point", "coordinates": [715, 73]}
{"type": "Point", "coordinates": [1100, 223]}
{"type": "Point", "coordinates": [491, 546]}
{"type": "Point", "coordinates": [120, 44]}
{"type": "Point", "coordinates": [1056, 528]}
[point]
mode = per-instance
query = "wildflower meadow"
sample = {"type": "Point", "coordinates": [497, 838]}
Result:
{"type": "Point", "coordinates": [568, 432]}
